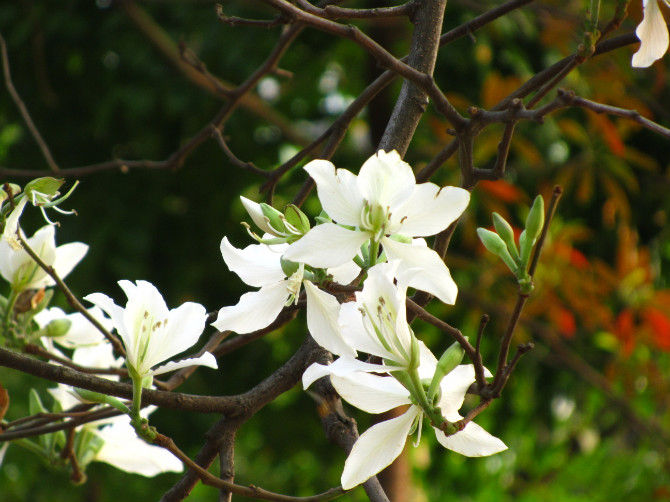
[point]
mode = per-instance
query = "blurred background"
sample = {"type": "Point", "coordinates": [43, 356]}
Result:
{"type": "Point", "coordinates": [586, 415]}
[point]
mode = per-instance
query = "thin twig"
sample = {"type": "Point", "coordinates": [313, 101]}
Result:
{"type": "Point", "coordinates": [22, 108]}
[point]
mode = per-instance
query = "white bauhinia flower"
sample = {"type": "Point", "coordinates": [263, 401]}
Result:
{"type": "Point", "coordinates": [12, 225]}
{"type": "Point", "coordinates": [259, 265]}
{"type": "Point", "coordinates": [80, 333]}
{"type": "Point", "coordinates": [653, 34]}
{"type": "Point", "coordinates": [22, 272]}
{"type": "Point", "coordinates": [151, 333]}
{"type": "Point", "coordinates": [382, 202]}
{"type": "Point", "coordinates": [381, 444]}
{"type": "Point", "coordinates": [124, 450]}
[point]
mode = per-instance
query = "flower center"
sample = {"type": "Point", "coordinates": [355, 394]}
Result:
{"type": "Point", "coordinates": [375, 219]}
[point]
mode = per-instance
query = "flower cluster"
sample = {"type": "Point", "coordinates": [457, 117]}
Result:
{"type": "Point", "coordinates": [372, 232]}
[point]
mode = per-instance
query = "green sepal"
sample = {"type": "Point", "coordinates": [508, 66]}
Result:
{"type": "Point", "coordinates": [47, 186]}
{"type": "Point", "coordinates": [57, 327]}
{"type": "Point", "coordinates": [297, 218]}
{"type": "Point", "coordinates": [289, 267]}
{"type": "Point", "coordinates": [526, 246]}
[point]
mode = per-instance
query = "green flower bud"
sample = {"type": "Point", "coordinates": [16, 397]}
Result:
{"type": "Point", "coordinates": [58, 327]}
{"type": "Point", "coordinates": [535, 219]}
{"type": "Point", "coordinates": [526, 246]}
{"type": "Point", "coordinates": [451, 358]}
{"type": "Point", "coordinates": [497, 246]}
{"type": "Point", "coordinates": [47, 186]}
{"type": "Point", "coordinates": [289, 267]}
{"type": "Point", "coordinates": [506, 233]}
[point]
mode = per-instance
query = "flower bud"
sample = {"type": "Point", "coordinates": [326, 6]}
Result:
{"type": "Point", "coordinates": [506, 233]}
{"type": "Point", "coordinates": [288, 267]}
{"type": "Point", "coordinates": [297, 218]}
{"type": "Point", "coordinates": [58, 327]}
{"type": "Point", "coordinates": [451, 358]}
{"type": "Point", "coordinates": [535, 219]}
{"type": "Point", "coordinates": [497, 246]}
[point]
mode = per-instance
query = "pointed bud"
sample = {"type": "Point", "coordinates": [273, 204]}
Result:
{"type": "Point", "coordinates": [451, 358]}
{"type": "Point", "coordinates": [497, 246]}
{"type": "Point", "coordinates": [58, 327]}
{"type": "Point", "coordinates": [535, 219]}
{"type": "Point", "coordinates": [506, 233]}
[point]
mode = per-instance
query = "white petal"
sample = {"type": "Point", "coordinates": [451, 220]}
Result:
{"type": "Point", "coordinates": [255, 310]}
{"type": "Point", "coordinates": [345, 273]}
{"type": "Point", "coordinates": [115, 312]}
{"type": "Point", "coordinates": [423, 269]}
{"type": "Point", "coordinates": [124, 450]}
{"type": "Point", "coordinates": [338, 192]}
{"type": "Point", "coordinates": [256, 264]}
{"type": "Point", "coordinates": [322, 312]}
{"type": "Point", "coordinates": [183, 329]}
{"type": "Point", "coordinates": [207, 359]}
{"type": "Point", "coordinates": [3, 450]}
{"type": "Point", "coordinates": [653, 35]}
{"type": "Point", "coordinates": [377, 448]}
{"type": "Point", "coordinates": [257, 216]}
{"type": "Point", "coordinates": [453, 389]}
{"type": "Point", "coordinates": [386, 179]}
{"type": "Point", "coordinates": [472, 441]}
{"type": "Point", "coordinates": [341, 367]}
{"type": "Point", "coordinates": [327, 245]}
{"type": "Point", "coordinates": [427, 362]}
{"type": "Point", "coordinates": [67, 256]}
{"type": "Point", "coordinates": [12, 223]}
{"type": "Point", "coordinates": [370, 393]}
{"type": "Point", "coordinates": [430, 209]}
{"type": "Point", "coordinates": [98, 356]}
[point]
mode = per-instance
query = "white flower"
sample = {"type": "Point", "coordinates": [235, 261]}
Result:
{"type": "Point", "coordinates": [653, 35]}
{"type": "Point", "coordinates": [382, 201]}
{"type": "Point", "coordinates": [81, 332]}
{"type": "Point", "coordinates": [377, 447]}
{"type": "Point", "coordinates": [124, 450]}
{"type": "Point", "coordinates": [259, 265]}
{"type": "Point", "coordinates": [22, 272]}
{"type": "Point", "coordinates": [150, 332]}
{"type": "Point", "coordinates": [12, 225]}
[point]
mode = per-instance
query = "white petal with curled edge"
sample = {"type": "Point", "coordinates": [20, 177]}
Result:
{"type": "Point", "coordinates": [257, 216]}
{"type": "Point", "coordinates": [255, 310]}
{"type": "Point", "coordinates": [115, 312]}
{"type": "Point", "coordinates": [338, 191]}
{"type": "Point", "coordinates": [3, 450]}
{"type": "Point", "coordinates": [256, 264]}
{"type": "Point", "coordinates": [472, 441]}
{"type": "Point", "coordinates": [183, 329]}
{"type": "Point", "coordinates": [124, 450]}
{"type": "Point", "coordinates": [386, 179]}
{"type": "Point", "coordinates": [322, 312]}
{"type": "Point", "coordinates": [326, 245]}
{"type": "Point", "coordinates": [430, 209]}
{"type": "Point", "coordinates": [207, 359]}
{"type": "Point", "coordinates": [370, 393]}
{"type": "Point", "coordinates": [341, 367]}
{"type": "Point", "coordinates": [12, 224]}
{"type": "Point", "coordinates": [422, 268]}
{"type": "Point", "coordinates": [653, 35]}
{"type": "Point", "coordinates": [67, 257]}
{"type": "Point", "coordinates": [453, 388]}
{"type": "Point", "coordinates": [376, 448]}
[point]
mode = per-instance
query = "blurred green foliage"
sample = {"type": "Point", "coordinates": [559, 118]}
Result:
{"type": "Point", "coordinates": [97, 89]}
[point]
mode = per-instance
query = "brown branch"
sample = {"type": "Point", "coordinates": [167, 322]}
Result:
{"type": "Point", "coordinates": [31, 348]}
{"type": "Point", "coordinates": [23, 110]}
{"type": "Point", "coordinates": [248, 166]}
{"type": "Point", "coordinates": [246, 491]}
{"type": "Point", "coordinates": [240, 21]}
{"type": "Point", "coordinates": [334, 12]}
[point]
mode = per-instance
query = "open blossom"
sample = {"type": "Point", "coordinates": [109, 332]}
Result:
{"type": "Point", "coordinates": [22, 272]}
{"type": "Point", "coordinates": [259, 265]}
{"type": "Point", "coordinates": [653, 34]}
{"type": "Point", "coordinates": [383, 201]}
{"type": "Point", "coordinates": [377, 447]}
{"type": "Point", "coordinates": [151, 333]}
